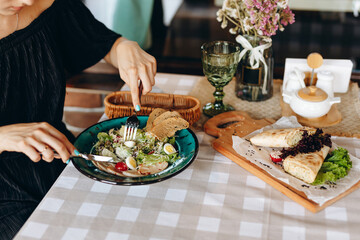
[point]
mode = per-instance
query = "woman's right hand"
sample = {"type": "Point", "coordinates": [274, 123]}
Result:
{"type": "Point", "coordinates": [36, 140]}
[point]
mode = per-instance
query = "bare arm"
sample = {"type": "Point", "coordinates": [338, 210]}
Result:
{"type": "Point", "coordinates": [134, 64]}
{"type": "Point", "coordinates": [36, 140]}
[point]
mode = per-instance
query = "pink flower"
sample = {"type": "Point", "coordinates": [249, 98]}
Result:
{"type": "Point", "coordinates": [287, 16]}
{"type": "Point", "coordinates": [257, 17]}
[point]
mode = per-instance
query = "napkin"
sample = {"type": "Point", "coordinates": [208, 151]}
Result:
{"type": "Point", "coordinates": [260, 157]}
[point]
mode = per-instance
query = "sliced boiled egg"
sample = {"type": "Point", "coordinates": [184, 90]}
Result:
{"type": "Point", "coordinates": [129, 144]}
{"type": "Point", "coordinates": [131, 162]}
{"type": "Point", "coordinates": [169, 149]}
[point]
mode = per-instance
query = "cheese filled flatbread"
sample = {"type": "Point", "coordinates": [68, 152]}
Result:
{"type": "Point", "coordinates": [305, 166]}
{"type": "Point", "coordinates": [280, 137]}
{"type": "Point", "coordinates": [303, 149]}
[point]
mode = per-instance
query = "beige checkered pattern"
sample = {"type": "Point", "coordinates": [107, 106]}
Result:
{"type": "Point", "coordinates": [212, 199]}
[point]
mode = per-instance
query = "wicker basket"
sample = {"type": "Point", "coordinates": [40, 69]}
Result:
{"type": "Point", "coordinates": [119, 104]}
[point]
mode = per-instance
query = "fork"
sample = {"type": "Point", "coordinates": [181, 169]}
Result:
{"type": "Point", "coordinates": [132, 123]}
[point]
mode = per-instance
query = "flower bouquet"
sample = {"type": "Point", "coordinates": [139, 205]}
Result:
{"type": "Point", "coordinates": [254, 22]}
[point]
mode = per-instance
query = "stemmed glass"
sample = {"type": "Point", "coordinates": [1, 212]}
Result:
{"type": "Point", "coordinates": [219, 61]}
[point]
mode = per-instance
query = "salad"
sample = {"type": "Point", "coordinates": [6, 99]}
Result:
{"type": "Point", "coordinates": [143, 156]}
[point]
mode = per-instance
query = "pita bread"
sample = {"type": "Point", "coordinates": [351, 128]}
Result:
{"type": "Point", "coordinates": [280, 137]}
{"type": "Point", "coordinates": [305, 166]}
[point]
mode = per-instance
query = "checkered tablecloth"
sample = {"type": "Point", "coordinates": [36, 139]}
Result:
{"type": "Point", "coordinates": [212, 199]}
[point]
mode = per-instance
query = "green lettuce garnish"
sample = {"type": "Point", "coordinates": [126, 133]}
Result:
{"type": "Point", "coordinates": [336, 165]}
{"type": "Point", "coordinates": [172, 140]}
{"type": "Point", "coordinates": [103, 136]}
{"type": "Point", "coordinates": [150, 159]}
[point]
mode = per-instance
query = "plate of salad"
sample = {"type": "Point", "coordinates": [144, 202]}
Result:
{"type": "Point", "coordinates": [142, 161]}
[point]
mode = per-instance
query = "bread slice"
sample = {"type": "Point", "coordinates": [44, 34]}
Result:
{"type": "Point", "coordinates": [153, 115]}
{"type": "Point", "coordinates": [162, 123]}
{"type": "Point", "coordinates": [168, 127]}
{"type": "Point", "coordinates": [164, 116]}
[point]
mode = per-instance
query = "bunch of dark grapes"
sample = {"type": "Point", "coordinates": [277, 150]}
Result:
{"type": "Point", "coordinates": [309, 143]}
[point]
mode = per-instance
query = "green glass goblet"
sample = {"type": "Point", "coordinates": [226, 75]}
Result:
{"type": "Point", "coordinates": [219, 61]}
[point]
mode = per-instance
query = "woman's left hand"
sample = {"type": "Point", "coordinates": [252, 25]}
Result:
{"type": "Point", "coordinates": [134, 64]}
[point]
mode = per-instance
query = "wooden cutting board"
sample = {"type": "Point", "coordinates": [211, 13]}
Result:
{"type": "Point", "coordinates": [238, 123]}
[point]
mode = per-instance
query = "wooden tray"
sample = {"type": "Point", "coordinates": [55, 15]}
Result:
{"type": "Point", "coordinates": [239, 123]}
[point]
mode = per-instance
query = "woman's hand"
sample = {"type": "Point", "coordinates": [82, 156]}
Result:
{"type": "Point", "coordinates": [36, 140]}
{"type": "Point", "coordinates": [134, 64]}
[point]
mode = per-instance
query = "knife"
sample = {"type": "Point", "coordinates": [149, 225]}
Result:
{"type": "Point", "coordinates": [90, 157]}
{"type": "Point", "coordinates": [98, 158]}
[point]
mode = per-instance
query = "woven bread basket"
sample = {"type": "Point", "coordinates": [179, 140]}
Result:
{"type": "Point", "coordinates": [119, 104]}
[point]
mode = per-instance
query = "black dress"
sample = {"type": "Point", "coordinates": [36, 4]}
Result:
{"type": "Point", "coordinates": [33, 64]}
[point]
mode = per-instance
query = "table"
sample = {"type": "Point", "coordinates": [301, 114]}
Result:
{"type": "Point", "coordinates": [212, 199]}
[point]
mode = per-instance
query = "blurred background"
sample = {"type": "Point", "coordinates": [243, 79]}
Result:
{"type": "Point", "coordinates": [173, 31]}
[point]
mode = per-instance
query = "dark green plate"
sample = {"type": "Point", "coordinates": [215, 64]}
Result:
{"type": "Point", "coordinates": [186, 142]}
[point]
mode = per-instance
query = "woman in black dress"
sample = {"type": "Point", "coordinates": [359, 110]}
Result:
{"type": "Point", "coordinates": [40, 42]}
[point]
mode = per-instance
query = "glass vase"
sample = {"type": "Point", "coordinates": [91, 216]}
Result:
{"type": "Point", "coordinates": [255, 83]}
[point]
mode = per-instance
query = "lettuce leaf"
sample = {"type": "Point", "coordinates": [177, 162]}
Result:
{"type": "Point", "coordinates": [336, 165]}
{"type": "Point", "coordinates": [150, 159]}
{"type": "Point", "coordinates": [103, 137]}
